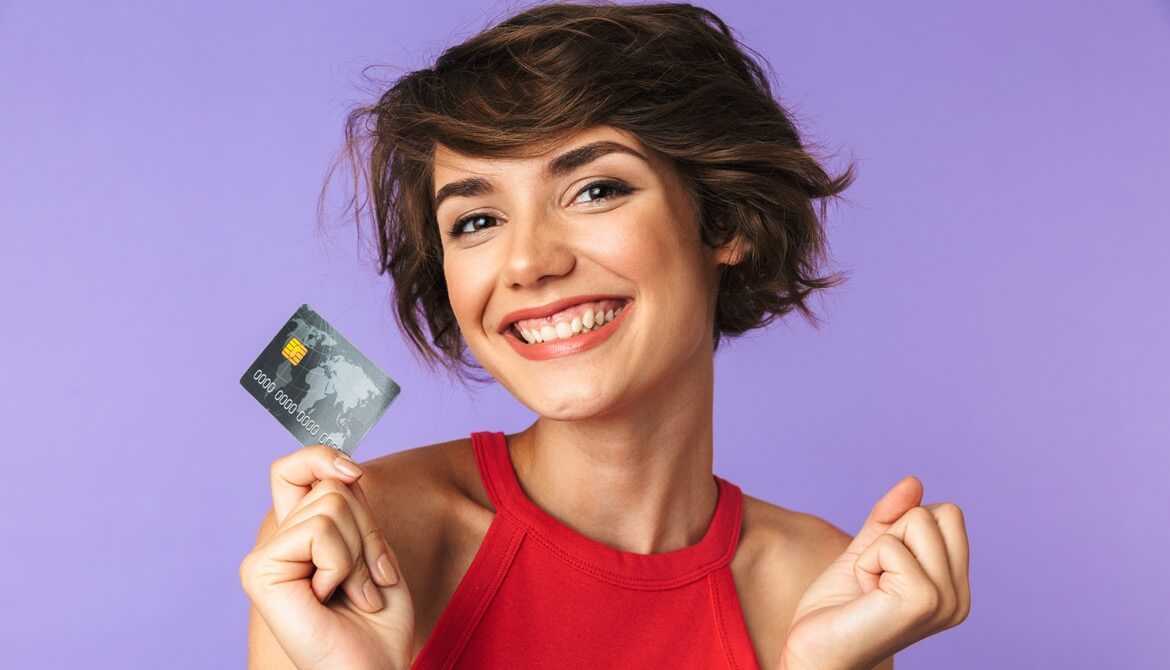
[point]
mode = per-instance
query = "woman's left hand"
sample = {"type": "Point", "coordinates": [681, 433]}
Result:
{"type": "Point", "coordinates": [901, 579]}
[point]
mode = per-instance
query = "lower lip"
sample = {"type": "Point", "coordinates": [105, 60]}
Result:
{"type": "Point", "coordinates": [576, 344]}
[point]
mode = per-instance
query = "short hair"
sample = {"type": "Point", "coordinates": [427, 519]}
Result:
{"type": "Point", "coordinates": [673, 75]}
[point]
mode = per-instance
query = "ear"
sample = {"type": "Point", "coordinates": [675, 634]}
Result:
{"type": "Point", "coordinates": [733, 252]}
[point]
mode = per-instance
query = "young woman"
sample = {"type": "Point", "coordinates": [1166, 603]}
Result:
{"type": "Point", "coordinates": [582, 201]}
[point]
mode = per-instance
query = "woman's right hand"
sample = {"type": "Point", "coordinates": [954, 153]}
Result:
{"type": "Point", "coordinates": [326, 540]}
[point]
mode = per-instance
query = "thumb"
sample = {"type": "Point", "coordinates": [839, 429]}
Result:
{"type": "Point", "coordinates": [901, 498]}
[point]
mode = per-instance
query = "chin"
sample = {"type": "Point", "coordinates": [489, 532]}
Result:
{"type": "Point", "coordinates": [567, 404]}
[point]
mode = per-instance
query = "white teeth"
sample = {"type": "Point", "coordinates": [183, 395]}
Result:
{"type": "Point", "coordinates": [563, 330]}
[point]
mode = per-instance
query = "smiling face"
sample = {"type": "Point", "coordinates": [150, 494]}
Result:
{"type": "Point", "coordinates": [552, 247]}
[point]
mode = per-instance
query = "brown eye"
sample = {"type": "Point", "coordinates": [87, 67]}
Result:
{"type": "Point", "coordinates": [599, 191]}
{"type": "Point", "coordinates": [471, 224]}
{"type": "Point", "coordinates": [614, 188]}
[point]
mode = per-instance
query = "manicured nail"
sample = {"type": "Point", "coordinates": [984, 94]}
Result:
{"type": "Point", "coordinates": [372, 596]}
{"type": "Point", "coordinates": [346, 467]}
{"type": "Point", "coordinates": [387, 571]}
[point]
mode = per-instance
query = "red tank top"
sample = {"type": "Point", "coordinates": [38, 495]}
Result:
{"type": "Point", "coordinates": [541, 595]}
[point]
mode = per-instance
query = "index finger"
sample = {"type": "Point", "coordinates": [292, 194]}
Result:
{"type": "Point", "coordinates": [293, 475]}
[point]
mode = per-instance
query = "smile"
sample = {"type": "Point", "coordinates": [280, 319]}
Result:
{"type": "Point", "coordinates": [567, 330]}
{"type": "Point", "coordinates": [568, 323]}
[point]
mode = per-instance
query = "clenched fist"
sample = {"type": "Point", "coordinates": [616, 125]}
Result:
{"type": "Point", "coordinates": [326, 582]}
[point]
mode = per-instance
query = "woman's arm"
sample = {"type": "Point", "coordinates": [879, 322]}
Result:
{"type": "Point", "coordinates": [264, 653]}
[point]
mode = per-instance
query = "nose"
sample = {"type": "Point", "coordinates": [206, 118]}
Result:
{"type": "Point", "coordinates": [537, 250]}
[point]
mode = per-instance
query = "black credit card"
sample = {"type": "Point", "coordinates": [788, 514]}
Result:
{"type": "Point", "coordinates": [318, 385]}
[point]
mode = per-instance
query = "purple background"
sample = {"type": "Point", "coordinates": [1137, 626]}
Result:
{"type": "Point", "coordinates": [1003, 335]}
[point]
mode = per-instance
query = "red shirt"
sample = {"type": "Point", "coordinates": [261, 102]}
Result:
{"type": "Point", "coordinates": [541, 595]}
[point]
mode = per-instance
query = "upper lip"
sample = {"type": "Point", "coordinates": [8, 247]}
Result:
{"type": "Point", "coordinates": [552, 308]}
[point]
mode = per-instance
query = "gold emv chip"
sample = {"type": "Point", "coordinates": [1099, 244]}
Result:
{"type": "Point", "coordinates": [294, 351]}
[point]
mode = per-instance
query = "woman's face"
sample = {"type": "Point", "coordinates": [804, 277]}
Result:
{"type": "Point", "coordinates": [553, 247]}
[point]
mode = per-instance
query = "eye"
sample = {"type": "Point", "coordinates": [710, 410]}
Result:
{"type": "Point", "coordinates": [615, 188]}
{"type": "Point", "coordinates": [474, 223]}
{"type": "Point", "coordinates": [471, 224]}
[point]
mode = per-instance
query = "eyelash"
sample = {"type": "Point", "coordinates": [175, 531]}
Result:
{"type": "Point", "coordinates": [617, 187]}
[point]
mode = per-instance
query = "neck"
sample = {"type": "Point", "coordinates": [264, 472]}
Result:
{"type": "Point", "coordinates": [637, 479]}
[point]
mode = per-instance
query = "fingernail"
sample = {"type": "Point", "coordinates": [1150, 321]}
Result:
{"type": "Point", "coordinates": [372, 596]}
{"type": "Point", "coordinates": [346, 467]}
{"type": "Point", "coordinates": [388, 574]}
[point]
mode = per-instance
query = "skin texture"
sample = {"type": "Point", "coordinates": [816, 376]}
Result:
{"type": "Point", "coordinates": [623, 445]}
{"type": "Point", "coordinates": [622, 448]}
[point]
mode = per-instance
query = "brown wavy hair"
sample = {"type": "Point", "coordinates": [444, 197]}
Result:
{"type": "Point", "coordinates": [674, 75]}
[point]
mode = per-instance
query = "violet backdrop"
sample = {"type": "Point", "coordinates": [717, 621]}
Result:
{"type": "Point", "coordinates": [1002, 336]}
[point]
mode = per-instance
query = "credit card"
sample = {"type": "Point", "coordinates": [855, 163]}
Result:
{"type": "Point", "coordinates": [318, 385]}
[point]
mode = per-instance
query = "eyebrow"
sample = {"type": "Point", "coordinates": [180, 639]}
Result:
{"type": "Point", "coordinates": [561, 165]}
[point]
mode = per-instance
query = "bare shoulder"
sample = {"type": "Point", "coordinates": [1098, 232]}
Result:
{"type": "Point", "coordinates": [781, 552]}
{"type": "Point", "coordinates": [429, 477]}
{"type": "Point", "coordinates": [418, 496]}
{"type": "Point", "coordinates": [785, 549]}
{"type": "Point", "coordinates": [802, 540]}
{"type": "Point", "coordinates": [430, 504]}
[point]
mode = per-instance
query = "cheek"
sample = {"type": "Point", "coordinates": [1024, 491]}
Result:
{"type": "Point", "coordinates": [468, 287]}
{"type": "Point", "coordinates": [657, 252]}
{"type": "Point", "coordinates": [665, 259]}
{"type": "Point", "coordinates": [637, 244]}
